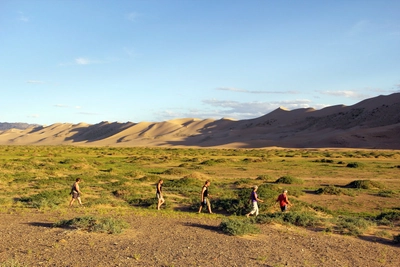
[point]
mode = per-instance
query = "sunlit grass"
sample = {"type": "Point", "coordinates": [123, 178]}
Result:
{"type": "Point", "coordinates": [123, 180]}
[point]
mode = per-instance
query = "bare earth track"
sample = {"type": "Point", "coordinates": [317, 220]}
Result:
{"type": "Point", "coordinates": [159, 240]}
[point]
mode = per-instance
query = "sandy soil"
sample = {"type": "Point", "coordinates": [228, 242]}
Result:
{"type": "Point", "coordinates": [159, 240]}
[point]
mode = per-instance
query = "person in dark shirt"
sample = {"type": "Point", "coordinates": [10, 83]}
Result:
{"type": "Point", "coordinates": [159, 194]}
{"type": "Point", "coordinates": [205, 195]}
{"type": "Point", "coordinates": [76, 192]}
{"type": "Point", "coordinates": [254, 201]}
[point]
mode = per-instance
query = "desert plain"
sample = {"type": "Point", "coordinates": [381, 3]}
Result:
{"type": "Point", "coordinates": [340, 165]}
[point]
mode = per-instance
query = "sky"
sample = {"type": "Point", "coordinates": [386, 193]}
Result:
{"type": "Point", "coordinates": [72, 61]}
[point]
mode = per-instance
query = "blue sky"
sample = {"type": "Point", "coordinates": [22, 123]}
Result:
{"type": "Point", "coordinates": [94, 60]}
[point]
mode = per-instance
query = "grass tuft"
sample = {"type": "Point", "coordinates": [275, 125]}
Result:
{"type": "Point", "coordinates": [238, 226]}
{"type": "Point", "coordinates": [365, 184]}
{"type": "Point", "coordinates": [287, 179]}
{"type": "Point", "coordinates": [94, 224]}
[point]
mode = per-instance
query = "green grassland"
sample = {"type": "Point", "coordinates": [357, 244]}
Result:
{"type": "Point", "coordinates": [333, 190]}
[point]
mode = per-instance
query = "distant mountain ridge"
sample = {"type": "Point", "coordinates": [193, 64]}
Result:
{"type": "Point", "coordinates": [372, 123]}
{"type": "Point", "coordinates": [16, 125]}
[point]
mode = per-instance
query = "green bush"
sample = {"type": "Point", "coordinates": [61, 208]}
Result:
{"type": "Point", "coordinates": [265, 177]}
{"type": "Point", "coordinates": [139, 200]}
{"type": "Point", "coordinates": [386, 193]}
{"type": "Point", "coordinates": [365, 184]}
{"type": "Point", "coordinates": [150, 178]}
{"type": "Point", "coordinates": [236, 226]}
{"type": "Point", "coordinates": [298, 218]}
{"type": "Point", "coordinates": [329, 190]}
{"type": "Point", "coordinates": [324, 160]}
{"type": "Point", "coordinates": [389, 215]}
{"type": "Point", "coordinates": [352, 225]}
{"type": "Point", "coordinates": [243, 181]}
{"type": "Point", "coordinates": [175, 171]}
{"type": "Point", "coordinates": [354, 165]}
{"type": "Point", "coordinates": [240, 204]}
{"type": "Point", "coordinates": [93, 224]}
{"type": "Point", "coordinates": [209, 162]}
{"type": "Point", "coordinates": [46, 199]}
{"type": "Point", "coordinates": [183, 182]}
{"type": "Point", "coordinates": [287, 179]}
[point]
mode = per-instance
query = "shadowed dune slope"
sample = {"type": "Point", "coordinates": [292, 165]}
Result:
{"type": "Point", "coordinates": [371, 123]}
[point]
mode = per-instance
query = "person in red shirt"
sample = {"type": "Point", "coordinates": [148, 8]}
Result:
{"type": "Point", "coordinates": [283, 201]}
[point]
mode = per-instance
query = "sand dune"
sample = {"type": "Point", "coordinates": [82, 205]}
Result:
{"type": "Point", "coordinates": [371, 123]}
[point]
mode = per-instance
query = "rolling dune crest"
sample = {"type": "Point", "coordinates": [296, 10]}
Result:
{"type": "Point", "coordinates": [371, 123]}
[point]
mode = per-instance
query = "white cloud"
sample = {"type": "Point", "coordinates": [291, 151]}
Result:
{"type": "Point", "coordinates": [83, 61]}
{"type": "Point", "coordinates": [22, 17]}
{"type": "Point", "coordinates": [130, 52]}
{"type": "Point", "coordinates": [60, 106]}
{"type": "Point", "coordinates": [231, 89]}
{"type": "Point", "coordinates": [360, 27]}
{"type": "Point", "coordinates": [254, 92]}
{"type": "Point", "coordinates": [257, 108]}
{"type": "Point", "coordinates": [35, 82]}
{"type": "Point", "coordinates": [233, 109]}
{"type": "Point", "coordinates": [89, 113]}
{"type": "Point", "coordinates": [132, 16]}
{"type": "Point", "coordinates": [347, 94]}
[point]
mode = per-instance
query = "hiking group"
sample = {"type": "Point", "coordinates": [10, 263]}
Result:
{"type": "Point", "coordinates": [282, 199]}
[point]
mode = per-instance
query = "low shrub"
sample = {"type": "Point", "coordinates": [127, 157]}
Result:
{"type": "Point", "coordinates": [230, 205]}
{"type": "Point", "coordinates": [209, 162]}
{"type": "Point", "coordinates": [389, 215]}
{"type": "Point", "coordinates": [324, 160]}
{"type": "Point", "coordinates": [265, 177]}
{"type": "Point", "coordinates": [239, 203]}
{"type": "Point", "coordinates": [264, 219]}
{"type": "Point", "coordinates": [365, 184]}
{"type": "Point", "coordinates": [296, 191]}
{"type": "Point", "coordinates": [236, 226]}
{"type": "Point", "coordinates": [183, 182]}
{"type": "Point", "coordinates": [329, 190]}
{"type": "Point", "coordinates": [298, 218]}
{"type": "Point", "coordinates": [197, 175]}
{"type": "Point", "coordinates": [352, 225]}
{"type": "Point", "coordinates": [287, 179]}
{"type": "Point", "coordinates": [140, 201]}
{"type": "Point", "coordinates": [243, 181]}
{"type": "Point", "coordinates": [46, 199]}
{"type": "Point", "coordinates": [386, 193]}
{"type": "Point", "coordinates": [354, 165]}
{"type": "Point", "coordinates": [175, 171]}
{"type": "Point", "coordinates": [304, 219]}
{"type": "Point", "coordinates": [150, 178]}
{"type": "Point", "coordinates": [93, 224]}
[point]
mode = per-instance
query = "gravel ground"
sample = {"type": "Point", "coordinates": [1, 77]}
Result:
{"type": "Point", "coordinates": [159, 240]}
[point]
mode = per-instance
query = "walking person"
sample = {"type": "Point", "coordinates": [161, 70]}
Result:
{"type": "Point", "coordinates": [159, 194]}
{"type": "Point", "coordinates": [283, 201]}
{"type": "Point", "coordinates": [205, 201]}
{"type": "Point", "coordinates": [254, 200]}
{"type": "Point", "coordinates": [76, 192]}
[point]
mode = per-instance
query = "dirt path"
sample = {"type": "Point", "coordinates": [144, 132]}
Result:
{"type": "Point", "coordinates": [160, 240]}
